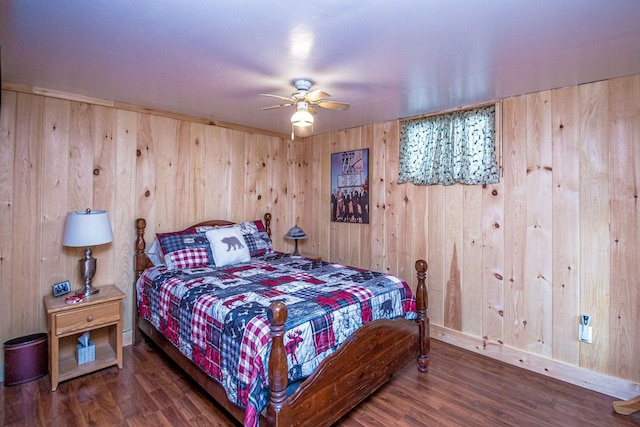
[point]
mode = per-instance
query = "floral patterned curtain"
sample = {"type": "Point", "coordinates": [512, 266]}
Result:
{"type": "Point", "coordinates": [449, 148]}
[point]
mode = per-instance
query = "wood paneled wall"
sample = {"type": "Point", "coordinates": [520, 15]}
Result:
{"type": "Point", "coordinates": [511, 265]}
{"type": "Point", "coordinates": [515, 264]}
{"type": "Point", "coordinates": [59, 155]}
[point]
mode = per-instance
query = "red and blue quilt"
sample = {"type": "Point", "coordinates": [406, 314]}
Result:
{"type": "Point", "coordinates": [217, 317]}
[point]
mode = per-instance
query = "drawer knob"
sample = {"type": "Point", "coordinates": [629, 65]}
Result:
{"type": "Point", "coordinates": [90, 318]}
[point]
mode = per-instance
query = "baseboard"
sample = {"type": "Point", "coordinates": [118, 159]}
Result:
{"type": "Point", "coordinates": [601, 383]}
{"type": "Point", "coordinates": [127, 338]}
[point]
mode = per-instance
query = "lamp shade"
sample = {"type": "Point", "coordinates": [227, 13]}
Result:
{"type": "Point", "coordinates": [295, 233]}
{"type": "Point", "coordinates": [87, 228]}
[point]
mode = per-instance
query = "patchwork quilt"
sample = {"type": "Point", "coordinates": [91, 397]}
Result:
{"type": "Point", "coordinates": [217, 317]}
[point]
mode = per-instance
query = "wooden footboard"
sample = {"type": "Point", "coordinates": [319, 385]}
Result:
{"type": "Point", "coordinates": [360, 366]}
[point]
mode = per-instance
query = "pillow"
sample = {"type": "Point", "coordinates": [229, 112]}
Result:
{"type": "Point", "coordinates": [154, 253]}
{"type": "Point", "coordinates": [185, 239]}
{"type": "Point", "coordinates": [228, 246]}
{"type": "Point", "coordinates": [256, 237]}
{"type": "Point", "coordinates": [187, 258]}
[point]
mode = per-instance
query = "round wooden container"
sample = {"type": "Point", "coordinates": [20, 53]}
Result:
{"type": "Point", "coordinates": [25, 359]}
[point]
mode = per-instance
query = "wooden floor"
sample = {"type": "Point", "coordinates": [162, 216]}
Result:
{"type": "Point", "coordinates": [461, 389]}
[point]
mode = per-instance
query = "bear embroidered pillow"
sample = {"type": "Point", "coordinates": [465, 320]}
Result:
{"type": "Point", "coordinates": [228, 246]}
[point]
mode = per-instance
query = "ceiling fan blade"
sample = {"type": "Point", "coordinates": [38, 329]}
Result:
{"type": "Point", "coordinates": [316, 95]}
{"type": "Point", "coordinates": [276, 106]}
{"type": "Point", "coordinates": [333, 105]}
{"type": "Point", "coordinates": [312, 110]}
{"type": "Point", "coordinates": [283, 98]}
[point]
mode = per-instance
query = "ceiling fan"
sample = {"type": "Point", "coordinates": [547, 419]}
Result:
{"type": "Point", "coordinates": [305, 103]}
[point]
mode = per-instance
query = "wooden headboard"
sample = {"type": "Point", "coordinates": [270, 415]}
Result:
{"type": "Point", "coordinates": [143, 262]}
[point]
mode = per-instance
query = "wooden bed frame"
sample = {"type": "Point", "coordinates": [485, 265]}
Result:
{"type": "Point", "coordinates": [367, 360]}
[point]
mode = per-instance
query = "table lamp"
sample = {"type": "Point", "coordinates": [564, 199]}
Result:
{"type": "Point", "coordinates": [296, 234]}
{"type": "Point", "coordinates": [84, 229]}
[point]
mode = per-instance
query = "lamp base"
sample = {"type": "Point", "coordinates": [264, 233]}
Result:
{"type": "Point", "coordinates": [87, 270]}
{"type": "Point", "coordinates": [87, 290]}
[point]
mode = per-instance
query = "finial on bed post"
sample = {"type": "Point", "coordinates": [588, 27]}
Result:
{"type": "Point", "coordinates": [422, 303]}
{"type": "Point", "coordinates": [140, 260]}
{"type": "Point", "coordinates": [278, 369]}
{"type": "Point", "coordinates": [267, 223]}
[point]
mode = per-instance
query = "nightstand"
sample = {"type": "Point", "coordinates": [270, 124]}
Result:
{"type": "Point", "coordinates": [101, 315]}
{"type": "Point", "coordinates": [312, 257]}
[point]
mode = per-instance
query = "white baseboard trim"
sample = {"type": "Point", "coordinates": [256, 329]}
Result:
{"type": "Point", "coordinates": [591, 380]}
{"type": "Point", "coordinates": [127, 338]}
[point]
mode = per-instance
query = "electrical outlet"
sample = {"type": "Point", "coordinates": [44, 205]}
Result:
{"type": "Point", "coordinates": [584, 334]}
{"type": "Point", "coordinates": [585, 330]}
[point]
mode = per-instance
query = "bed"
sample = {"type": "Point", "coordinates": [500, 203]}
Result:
{"type": "Point", "coordinates": [323, 386]}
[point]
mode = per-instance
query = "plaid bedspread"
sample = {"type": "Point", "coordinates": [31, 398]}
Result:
{"type": "Point", "coordinates": [217, 317]}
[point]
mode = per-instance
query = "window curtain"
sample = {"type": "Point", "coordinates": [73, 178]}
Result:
{"type": "Point", "coordinates": [449, 148]}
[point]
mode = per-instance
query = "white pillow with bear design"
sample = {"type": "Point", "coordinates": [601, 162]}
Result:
{"type": "Point", "coordinates": [228, 246]}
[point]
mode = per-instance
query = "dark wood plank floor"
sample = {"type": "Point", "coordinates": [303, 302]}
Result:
{"type": "Point", "coordinates": [461, 389]}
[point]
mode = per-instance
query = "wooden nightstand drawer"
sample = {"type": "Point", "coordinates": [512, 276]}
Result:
{"type": "Point", "coordinates": [86, 318]}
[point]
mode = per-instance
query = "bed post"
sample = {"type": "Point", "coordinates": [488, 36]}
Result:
{"type": "Point", "coordinates": [278, 369]}
{"type": "Point", "coordinates": [141, 245]}
{"type": "Point", "coordinates": [267, 223]}
{"type": "Point", "coordinates": [140, 264]}
{"type": "Point", "coordinates": [422, 303]}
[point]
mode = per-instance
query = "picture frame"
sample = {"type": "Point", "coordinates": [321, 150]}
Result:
{"type": "Point", "coordinates": [350, 186]}
{"type": "Point", "coordinates": [61, 288]}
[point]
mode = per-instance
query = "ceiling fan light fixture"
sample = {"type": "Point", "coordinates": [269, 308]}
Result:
{"type": "Point", "coordinates": [302, 117]}
{"type": "Point", "coordinates": [305, 104]}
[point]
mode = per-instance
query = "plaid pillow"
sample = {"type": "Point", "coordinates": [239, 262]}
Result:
{"type": "Point", "coordinates": [256, 237]}
{"type": "Point", "coordinates": [185, 239]}
{"type": "Point", "coordinates": [187, 258]}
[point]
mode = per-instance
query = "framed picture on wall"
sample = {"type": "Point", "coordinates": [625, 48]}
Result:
{"type": "Point", "coordinates": [350, 186]}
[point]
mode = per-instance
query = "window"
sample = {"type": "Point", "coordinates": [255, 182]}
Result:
{"type": "Point", "coordinates": [450, 148]}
